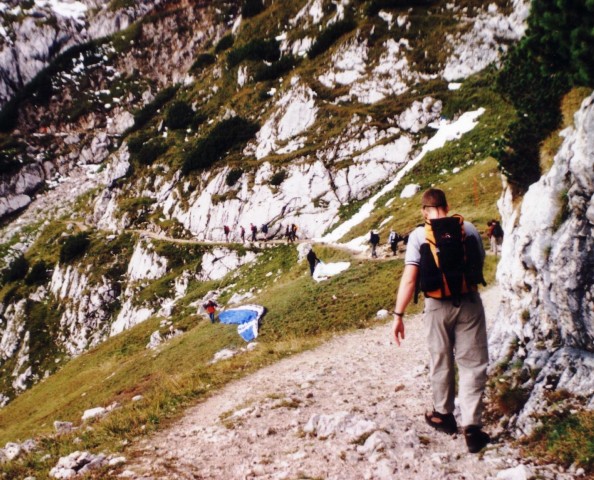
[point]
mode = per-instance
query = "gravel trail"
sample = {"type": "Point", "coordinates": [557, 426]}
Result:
{"type": "Point", "coordinates": [350, 409]}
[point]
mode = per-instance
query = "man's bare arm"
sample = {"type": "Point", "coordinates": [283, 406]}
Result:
{"type": "Point", "coordinates": [406, 291]}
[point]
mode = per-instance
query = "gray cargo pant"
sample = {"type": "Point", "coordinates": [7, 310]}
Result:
{"type": "Point", "coordinates": [458, 333]}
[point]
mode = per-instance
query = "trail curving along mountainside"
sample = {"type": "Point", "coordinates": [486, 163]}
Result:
{"type": "Point", "coordinates": [350, 409]}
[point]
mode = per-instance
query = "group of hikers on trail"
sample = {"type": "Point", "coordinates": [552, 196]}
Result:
{"type": "Point", "coordinates": [443, 260]}
{"type": "Point", "coordinates": [393, 240]}
{"type": "Point", "coordinates": [494, 232]}
{"type": "Point", "coordinates": [290, 232]}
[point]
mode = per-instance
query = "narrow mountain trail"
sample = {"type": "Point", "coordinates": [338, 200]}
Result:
{"type": "Point", "coordinates": [350, 409]}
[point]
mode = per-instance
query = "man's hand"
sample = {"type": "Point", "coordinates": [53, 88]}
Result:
{"type": "Point", "coordinates": [398, 329]}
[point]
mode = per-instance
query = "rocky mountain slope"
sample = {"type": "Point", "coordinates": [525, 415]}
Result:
{"type": "Point", "coordinates": [134, 131]}
{"type": "Point", "coordinates": [545, 336]}
{"type": "Point", "coordinates": [138, 118]}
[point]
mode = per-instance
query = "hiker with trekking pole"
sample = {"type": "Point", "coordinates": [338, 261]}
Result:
{"type": "Point", "coordinates": [444, 260]}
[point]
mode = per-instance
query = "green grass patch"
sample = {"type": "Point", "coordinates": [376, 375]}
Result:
{"type": "Point", "coordinates": [566, 438]}
{"type": "Point", "coordinates": [473, 192]}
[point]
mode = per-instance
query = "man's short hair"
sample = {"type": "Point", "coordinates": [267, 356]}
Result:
{"type": "Point", "coordinates": [434, 197]}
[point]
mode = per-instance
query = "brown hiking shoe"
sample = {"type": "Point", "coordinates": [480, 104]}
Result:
{"type": "Point", "coordinates": [475, 438]}
{"type": "Point", "coordinates": [444, 422]}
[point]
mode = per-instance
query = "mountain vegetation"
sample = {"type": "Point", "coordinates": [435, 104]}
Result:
{"type": "Point", "coordinates": [185, 131]}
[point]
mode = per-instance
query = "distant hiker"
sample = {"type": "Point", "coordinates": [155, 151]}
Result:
{"type": "Point", "coordinates": [374, 239]}
{"type": "Point", "coordinates": [393, 240]}
{"type": "Point", "coordinates": [444, 260]}
{"type": "Point", "coordinates": [226, 229]}
{"type": "Point", "coordinates": [254, 230]}
{"type": "Point", "coordinates": [242, 234]}
{"type": "Point", "coordinates": [293, 232]}
{"type": "Point", "coordinates": [496, 236]}
{"type": "Point", "coordinates": [211, 307]}
{"type": "Point", "coordinates": [288, 234]}
{"type": "Point", "coordinates": [264, 230]}
{"type": "Point", "coordinates": [313, 260]}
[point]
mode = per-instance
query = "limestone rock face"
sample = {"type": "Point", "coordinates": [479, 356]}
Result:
{"type": "Point", "coordinates": [16, 191]}
{"type": "Point", "coordinates": [34, 35]}
{"type": "Point", "coordinates": [546, 272]}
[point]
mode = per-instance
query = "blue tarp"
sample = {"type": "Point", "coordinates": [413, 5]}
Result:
{"type": "Point", "coordinates": [247, 319]}
{"type": "Point", "coordinates": [249, 330]}
{"type": "Point", "coordinates": [238, 316]}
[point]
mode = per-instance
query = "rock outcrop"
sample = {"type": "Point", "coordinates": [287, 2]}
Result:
{"type": "Point", "coordinates": [546, 272]}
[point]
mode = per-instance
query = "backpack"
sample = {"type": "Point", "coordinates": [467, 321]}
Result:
{"type": "Point", "coordinates": [497, 231]}
{"type": "Point", "coordinates": [451, 262]}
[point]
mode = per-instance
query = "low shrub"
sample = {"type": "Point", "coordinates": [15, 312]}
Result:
{"type": "Point", "coordinates": [276, 69]}
{"type": "Point", "coordinates": [179, 115]}
{"type": "Point", "coordinates": [202, 61]}
{"type": "Point", "coordinates": [74, 246]}
{"type": "Point", "coordinates": [539, 113]}
{"type": "Point", "coordinates": [150, 109]}
{"type": "Point", "coordinates": [553, 56]}
{"type": "Point", "coordinates": [135, 142]}
{"type": "Point", "coordinates": [133, 205]}
{"type": "Point", "coordinates": [16, 270]}
{"type": "Point", "coordinates": [150, 151]}
{"type": "Point", "coordinates": [251, 8]}
{"type": "Point", "coordinates": [233, 175]}
{"type": "Point", "coordinates": [258, 49]}
{"type": "Point", "coordinates": [38, 273]}
{"type": "Point", "coordinates": [124, 40]}
{"type": "Point", "coordinates": [330, 35]}
{"type": "Point", "coordinates": [278, 178]}
{"type": "Point", "coordinates": [10, 153]}
{"type": "Point", "coordinates": [138, 208]}
{"type": "Point", "coordinates": [223, 137]}
{"type": "Point", "coordinates": [116, 5]}
{"type": "Point", "coordinates": [224, 43]}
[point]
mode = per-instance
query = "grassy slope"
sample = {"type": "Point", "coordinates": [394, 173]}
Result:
{"type": "Point", "coordinates": [301, 314]}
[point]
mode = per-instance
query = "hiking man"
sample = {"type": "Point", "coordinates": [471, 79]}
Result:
{"type": "Point", "coordinates": [313, 260]}
{"type": "Point", "coordinates": [496, 236]}
{"type": "Point", "coordinates": [454, 314]}
{"type": "Point", "coordinates": [374, 240]}
{"type": "Point", "coordinates": [254, 230]}
{"type": "Point", "coordinates": [393, 240]}
{"type": "Point", "coordinates": [242, 234]}
{"type": "Point", "coordinates": [226, 230]}
{"type": "Point", "coordinates": [264, 230]}
{"type": "Point", "coordinates": [211, 307]}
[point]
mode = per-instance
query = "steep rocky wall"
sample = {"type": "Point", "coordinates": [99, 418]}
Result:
{"type": "Point", "coordinates": [546, 320]}
{"type": "Point", "coordinates": [94, 92]}
{"type": "Point", "coordinates": [31, 37]}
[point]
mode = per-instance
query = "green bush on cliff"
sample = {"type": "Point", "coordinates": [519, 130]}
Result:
{"type": "Point", "coordinates": [226, 135]}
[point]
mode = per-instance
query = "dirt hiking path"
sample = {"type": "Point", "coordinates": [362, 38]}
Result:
{"type": "Point", "coordinates": [350, 409]}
